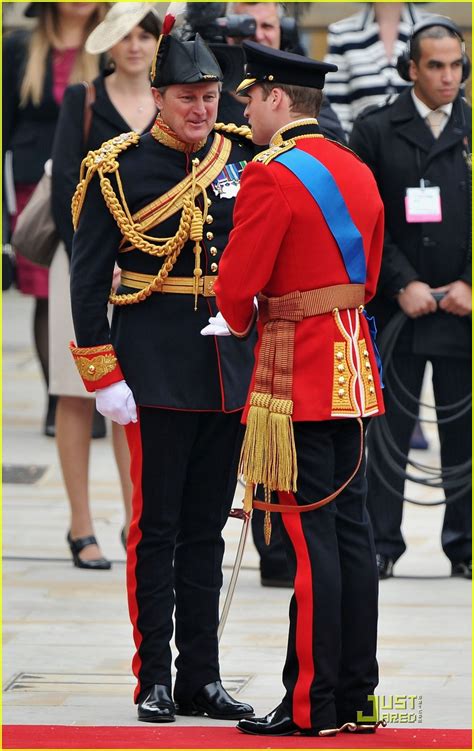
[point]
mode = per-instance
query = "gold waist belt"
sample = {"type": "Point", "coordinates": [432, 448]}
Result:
{"type": "Point", "coordinates": [173, 285]}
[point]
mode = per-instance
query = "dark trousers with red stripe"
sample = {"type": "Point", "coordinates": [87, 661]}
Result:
{"type": "Point", "coordinates": [184, 470]}
{"type": "Point", "coordinates": [451, 384]}
{"type": "Point", "coordinates": [331, 665]}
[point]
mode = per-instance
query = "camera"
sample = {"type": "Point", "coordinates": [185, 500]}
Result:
{"type": "Point", "coordinates": [209, 21]}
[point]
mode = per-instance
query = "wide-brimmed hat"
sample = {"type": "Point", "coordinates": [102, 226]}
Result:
{"type": "Point", "coordinates": [119, 21]}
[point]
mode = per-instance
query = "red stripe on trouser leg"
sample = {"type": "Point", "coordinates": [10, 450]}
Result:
{"type": "Point", "coordinates": [134, 536]}
{"type": "Point", "coordinates": [301, 709]}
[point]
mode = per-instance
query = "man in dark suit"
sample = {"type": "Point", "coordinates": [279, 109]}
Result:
{"type": "Point", "coordinates": [163, 210]}
{"type": "Point", "coordinates": [422, 142]}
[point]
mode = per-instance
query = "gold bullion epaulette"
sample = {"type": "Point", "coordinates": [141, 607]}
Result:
{"type": "Point", "coordinates": [101, 160]}
{"type": "Point", "coordinates": [234, 130]}
{"type": "Point", "coordinates": [265, 157]}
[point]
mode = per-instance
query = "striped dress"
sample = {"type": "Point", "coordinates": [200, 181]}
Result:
{"type": "Point", "coordinates": [365, 76]}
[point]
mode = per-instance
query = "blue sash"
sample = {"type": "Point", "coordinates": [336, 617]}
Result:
{"type": "Point", "coordinates": [322, 186]}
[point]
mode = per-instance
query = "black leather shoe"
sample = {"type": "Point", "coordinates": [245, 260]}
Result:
{"type": "Point", "coordinates": [214, 701]}
{"type": "Point", "coordinates": [463, 569]}
{"type": "Point", "coordinates": [78, 544]}
{"type": "Point", "coordinates": [384, 566]}
{"type": "Point", "coordinates": [279, 722]}
{"type": "Point", "coordinates": [156, 705]}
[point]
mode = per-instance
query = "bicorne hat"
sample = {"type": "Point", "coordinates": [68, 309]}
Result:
{"type": "Point", "coordinates": [177, 62]}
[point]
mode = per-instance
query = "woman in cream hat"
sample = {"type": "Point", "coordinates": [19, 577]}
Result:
{"type": "Point", "coordinates": [122, 101]}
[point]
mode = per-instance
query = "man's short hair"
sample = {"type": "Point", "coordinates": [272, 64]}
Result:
{"type": "Point", "coordinates": [303, 100]}
{"type": "Point", "coordinates": [233, 8]}
{"type": "Point", "coordinates": [432, 32]}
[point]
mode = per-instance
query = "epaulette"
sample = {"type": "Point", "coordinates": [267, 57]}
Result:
{"type": "Point", "coordinates": [372, 108]}
{"type": "Point", "coordinates": [232, 129]}
{"type": "Point", "coordinates": [265, 157]}
{"type": "Point", "coordinates": [102, 160]}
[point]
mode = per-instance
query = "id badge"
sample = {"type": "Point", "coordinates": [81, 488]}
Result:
{"type": "Point", "coordinates": [423, 204]}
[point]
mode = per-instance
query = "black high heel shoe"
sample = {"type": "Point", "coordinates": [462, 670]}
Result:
{"type": "Point", "coordinates": [79, 544]}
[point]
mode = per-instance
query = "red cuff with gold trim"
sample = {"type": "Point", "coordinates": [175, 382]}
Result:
{"type": "Point", "coordinates": [97, 366]}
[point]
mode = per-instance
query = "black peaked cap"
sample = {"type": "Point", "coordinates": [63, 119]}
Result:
{"type": "Point", "coordinates": [265, 64]}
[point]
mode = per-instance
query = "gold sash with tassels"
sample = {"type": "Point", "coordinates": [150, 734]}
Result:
{"type": "Point", "coordinates": [268, 455]}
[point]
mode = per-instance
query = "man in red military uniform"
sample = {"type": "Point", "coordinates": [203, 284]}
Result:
{"type": "Point", "coordinates": [307, 240]}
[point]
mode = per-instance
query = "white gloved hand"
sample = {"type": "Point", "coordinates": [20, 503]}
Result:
{"type": "Point", "coordinates": [116, 401]}
{"type": "Point", "coordinates": [217, 326]}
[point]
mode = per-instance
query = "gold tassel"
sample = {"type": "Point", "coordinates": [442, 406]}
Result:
{"type": "Point", "coordinates": [282, 461]}
{"type": "Point", "coordinates": [196, 235]}
{"type": "Point", "coordinates": [267, 520]}
{"type": "Point", "coordinates": [254, 446]}
{"type": "Point", "coordinates": [248, 497]}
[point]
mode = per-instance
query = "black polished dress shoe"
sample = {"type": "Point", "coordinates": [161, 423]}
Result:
{"type": "Point", "coordinates": [384, 566]}
{"type": "Point", "coordinates": [214, 701]}
{"type": "Point", "coordinates": [277, 723]}
{"type": "Point", "coordinates": [156, 705]}
{"type": "Point", "coordinates": [463, 569]}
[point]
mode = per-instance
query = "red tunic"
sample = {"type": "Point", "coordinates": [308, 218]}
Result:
{"type": "Point", "coordinates": [281, 243]}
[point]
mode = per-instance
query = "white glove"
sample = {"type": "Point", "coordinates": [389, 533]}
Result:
{"type": "Point", "coordinates": [217, 326]}
{"type": "Point", "coordinates": [116, 401]}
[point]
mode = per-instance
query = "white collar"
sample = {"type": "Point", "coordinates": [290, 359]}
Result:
{"type": "Point", "coordinates": [423, 110]}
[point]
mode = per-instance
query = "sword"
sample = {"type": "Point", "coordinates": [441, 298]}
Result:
{"type": "Point", "coordinates": [235, 513]}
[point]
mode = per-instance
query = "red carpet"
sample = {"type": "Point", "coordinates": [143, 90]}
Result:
{"type": "Point", "coordinates": [62, 736]}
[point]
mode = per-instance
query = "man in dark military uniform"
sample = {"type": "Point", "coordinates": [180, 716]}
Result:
{"type": "Point", "coordinates": [307, 238]}
{"type": "Point", "coordinates": [161, 206]}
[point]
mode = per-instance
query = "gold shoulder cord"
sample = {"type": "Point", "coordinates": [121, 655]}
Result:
{"type": "Point", "coordinates": [190, 227]}
{"type": "Point", "coordinates": [265, 157]}
{"type": "Point", "coordinates": [237, 130]}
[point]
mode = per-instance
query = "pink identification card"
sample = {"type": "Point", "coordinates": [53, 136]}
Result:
{"type": "Point", "coordinates": [423, 204]}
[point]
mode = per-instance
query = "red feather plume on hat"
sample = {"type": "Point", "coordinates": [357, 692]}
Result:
{"type": "Point", "coordinates": [172, 12]}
